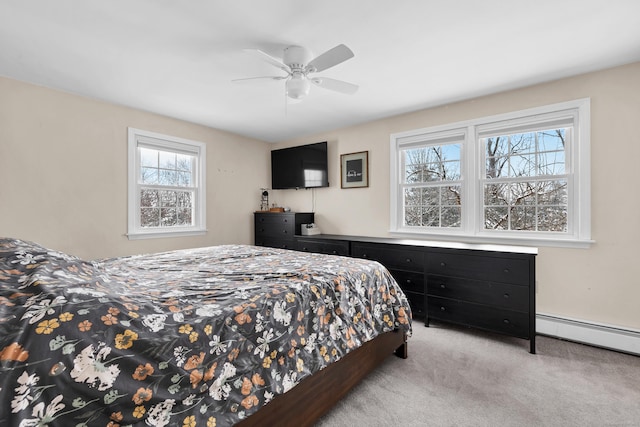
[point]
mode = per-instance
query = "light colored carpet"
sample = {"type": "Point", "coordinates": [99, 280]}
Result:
{"type": "Point", "coordinates": [459, 377]}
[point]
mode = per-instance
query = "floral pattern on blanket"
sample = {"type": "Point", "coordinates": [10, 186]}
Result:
{"type": "Point", "coordinates": [199, 337]}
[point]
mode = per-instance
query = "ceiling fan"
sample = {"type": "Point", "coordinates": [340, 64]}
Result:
{"type": "Point", "coordinates": [297, 63]}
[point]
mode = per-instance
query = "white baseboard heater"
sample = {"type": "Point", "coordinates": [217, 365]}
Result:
{"type": "Point", "coordinates": [606, 336]}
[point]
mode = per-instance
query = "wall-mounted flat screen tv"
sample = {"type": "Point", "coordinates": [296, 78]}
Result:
{"type": "Point", "coordinates": [304, 166]}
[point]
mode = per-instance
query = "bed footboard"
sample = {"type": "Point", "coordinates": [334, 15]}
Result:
{"type": "Point", "coordinates": [316, 395]}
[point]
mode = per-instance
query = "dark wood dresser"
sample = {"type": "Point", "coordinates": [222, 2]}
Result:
{"type": "Point", "coordinates": [490, 288]}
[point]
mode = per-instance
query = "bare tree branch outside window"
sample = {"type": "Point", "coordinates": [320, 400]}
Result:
{"type": "Point", "coordinates": [432, 195]}
{"type": "Point", "coordinates": [166, 194]}
{"type": "Point", "coordinates": [526, 183]}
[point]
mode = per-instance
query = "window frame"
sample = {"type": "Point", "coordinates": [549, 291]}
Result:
{"type": "Point", "coordinates": [137, 138]}
{"type": "Point", "coordinates": [472, 157]}
{"type": "Point", "coordinates": [434, 139]}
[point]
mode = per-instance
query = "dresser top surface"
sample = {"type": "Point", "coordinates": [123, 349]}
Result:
{"type": "Point", "coordinates": [429, 243]}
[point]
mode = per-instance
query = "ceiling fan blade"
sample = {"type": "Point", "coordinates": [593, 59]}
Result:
{"type": "Point", "coordinates": [330, 58]}
{"type": "Point", "coordinates": [270, 59]}
{"type": "Point", "coordinates": [336, 85]}
{"type": "Point", "coordinates": [260, 78]}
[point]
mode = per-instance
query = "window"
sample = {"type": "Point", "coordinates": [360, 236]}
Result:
{"type": "Point", "coordinates": [519, 177]}
{"type": "Point", "coordinates": [166, 186]}
{"type": "Point", "coordinates": [431, 185]}
{"type": "Point", "coordinates": [525, 181]}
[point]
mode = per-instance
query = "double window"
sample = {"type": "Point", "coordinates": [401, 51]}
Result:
{"type": "Point", "coordinates": [520, 177]}
{"type": "Point", "coordinates": [166, 185]}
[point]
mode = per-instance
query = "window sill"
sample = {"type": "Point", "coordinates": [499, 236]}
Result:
{"type": "Point", "coordinates": [165, 234]}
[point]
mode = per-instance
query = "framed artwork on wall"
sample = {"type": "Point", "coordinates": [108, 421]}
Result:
{"type": "Point", "coordinates": [354, 170]}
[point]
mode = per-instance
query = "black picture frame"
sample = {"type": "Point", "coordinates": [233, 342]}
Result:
{"type": "Point", "coordinates": [354, 170]}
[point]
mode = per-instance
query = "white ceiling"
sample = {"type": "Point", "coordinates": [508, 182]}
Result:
{"type": "Point", "coordinates": [178, 58]}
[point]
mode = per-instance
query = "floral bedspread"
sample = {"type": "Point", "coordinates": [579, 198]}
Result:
{"type": "Point", "coordinates": [199, 337]}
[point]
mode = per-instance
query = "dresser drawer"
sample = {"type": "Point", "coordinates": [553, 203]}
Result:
{"type": "Point", "coordinates": [277, 227]}
{"type": "Point", "coordinates": [275, 242]}
{"type": "Point", "coordinates": [409, 280]}
{"type": "Point", "coordinates": [330, 247]}
{"type": "Point", "coordinates": [479, 267]}
{"type": "Point", "coordinates": [416, 302]}
{"type": "Point", "coordinates": [490, 318]}
{"type": "Point", "coordinates": [275, 218]}
{"type": "Point", "coordinates": [283, 233]}
{"type": "Point", "coordinates": [392, 258]}
{"type": "Point", "coordinates": [503, 295]}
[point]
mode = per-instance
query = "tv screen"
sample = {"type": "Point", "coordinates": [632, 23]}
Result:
{"type": "Point", "coordinates": [304, 166]}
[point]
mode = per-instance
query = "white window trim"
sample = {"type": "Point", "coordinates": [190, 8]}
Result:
{"type": "Point", "coordinates": [135, 231]}
{"type": "Point", "coordinates": [579, 161]}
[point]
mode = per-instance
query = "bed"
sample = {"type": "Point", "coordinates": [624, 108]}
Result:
{"type": "Point", "coordinates": [215, 336]}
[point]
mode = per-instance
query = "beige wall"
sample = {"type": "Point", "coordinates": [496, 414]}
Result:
{"type": "Point", "coordinates": [63, 168]}
{"type": "Point", "coordinates": [63, 174]}
{"type": "Point", "coordinates": [600, 284]}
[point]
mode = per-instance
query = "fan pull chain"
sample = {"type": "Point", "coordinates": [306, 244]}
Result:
{"type": "Point", "coordinates": [286, 104]}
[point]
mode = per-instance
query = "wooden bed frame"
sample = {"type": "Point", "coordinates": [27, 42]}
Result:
{"type": "Point", "coordinates": [316, 395]}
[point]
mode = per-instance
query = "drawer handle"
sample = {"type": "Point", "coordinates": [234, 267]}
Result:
{"type": "Point", "coordinates": [443, 264]}
{"type": "Point", "coordinates": [506, 321]}
{"type": "Point", "coordinates": [443, 286]}
{"type": "Point", "coordinates": [442, 308]}
{"type": "Point", "coordinates": [284, 231]}
{"type": "Point", "coordinates": [285, 220]}
{"type": "Point", "coordinates": [305, 249]}
{"type": "Point", "coordinates": [408, 281]}
{"type": "Point", "coordinates": [334, 252]}
{"type": "Point", "coordinates": [408, 259]}
{"type": "Point", "coordinates": [506, 295]}
{"type": "Point", "coordinates": [506, 271]}
{"type": "Point", "coordinates": [365, 256]}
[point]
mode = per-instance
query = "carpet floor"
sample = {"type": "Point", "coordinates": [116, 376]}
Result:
{"type": "Point", "coordinates": [461, 377]}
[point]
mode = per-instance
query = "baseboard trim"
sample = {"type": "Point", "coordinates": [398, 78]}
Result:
{"type": "Point", "coordinates": [606, 336]}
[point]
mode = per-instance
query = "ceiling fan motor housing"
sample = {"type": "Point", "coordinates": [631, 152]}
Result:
{"type": "Point", "coordinates": [296, 57]}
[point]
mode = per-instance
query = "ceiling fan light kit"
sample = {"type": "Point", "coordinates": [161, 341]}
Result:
{"type": "Point", "coordinates": [297, 86]}
{"type": "Point", "coordinates": [297, 63]}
